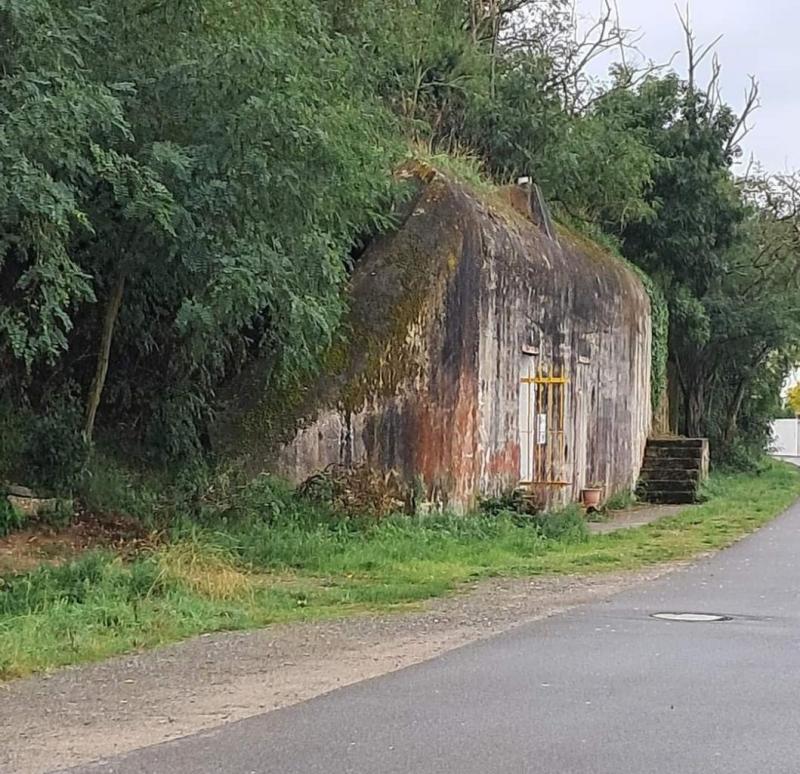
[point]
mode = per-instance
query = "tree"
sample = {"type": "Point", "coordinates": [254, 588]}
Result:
{"type": "Point", "coordinates": [793, 399]}
{"type": "Point", "coordinates": [693, 219]}
{"type": "Point", "coordinates": [204, 186]}
{"type": "Point", "coordinates": [56, 152]}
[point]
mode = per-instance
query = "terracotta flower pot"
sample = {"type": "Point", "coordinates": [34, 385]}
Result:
{"type": "Point", "coordinates": [591, 497]}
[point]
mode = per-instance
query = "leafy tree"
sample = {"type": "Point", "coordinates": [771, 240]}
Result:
{"type": "Point", "coordinates": [696, 215]}
{"type": "Point", "coordinates": [58, 135]}
{"type": "Point", "coordinates": [725, 253]}
{"type": "Point", "coordinates": [793, 399]}
{"type": "Point", "coordinates": [200, 170]}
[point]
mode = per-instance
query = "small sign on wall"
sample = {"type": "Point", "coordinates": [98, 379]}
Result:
{"type": "Point", "coordinates": [541, 429]}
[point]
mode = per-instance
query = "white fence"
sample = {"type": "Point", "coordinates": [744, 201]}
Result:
{"type": "Point", "coordinates": [786, 437]}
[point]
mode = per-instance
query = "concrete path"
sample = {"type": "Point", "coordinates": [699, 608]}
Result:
{"type": "Point", "coordinates": [603, 689]}
{"type": "Point", "coordinates": [638, 516]}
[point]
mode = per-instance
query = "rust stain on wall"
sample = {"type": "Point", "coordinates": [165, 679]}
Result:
{"type": "Point", "coordinates": [504, 461]}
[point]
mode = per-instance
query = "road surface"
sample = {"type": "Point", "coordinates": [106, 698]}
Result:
{"type": "Point", "coordinates": [604, 689]}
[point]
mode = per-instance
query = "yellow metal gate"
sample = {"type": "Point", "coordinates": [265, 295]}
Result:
{"type": "Point", "coordinates": [542, 422]}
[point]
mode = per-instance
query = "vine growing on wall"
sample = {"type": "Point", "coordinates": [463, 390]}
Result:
{"type": "Point", "coordinates": [659, 353]}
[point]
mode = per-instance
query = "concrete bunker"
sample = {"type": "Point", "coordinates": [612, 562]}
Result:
{"type": "Point", "coordinates": [485, 349]}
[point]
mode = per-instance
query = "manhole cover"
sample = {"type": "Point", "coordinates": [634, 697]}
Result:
{"type": "Point", "coordinates": [692, 617]}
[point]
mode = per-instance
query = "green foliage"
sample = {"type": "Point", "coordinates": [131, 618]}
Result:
{"type": "Point", "coordinates": [693, 197]}
{"type": "Point", "coordinates": [13, 434]}
{"type": "Point", "coordinates": [659, 354]}
{"type": "Point", "coordinates": [461, 165]}
{"type": "Point", "coordinates": [110, 488]}
{"type": "Point", "coordinates": [512, 501]}
{"type": "Point", "coordinates": [793, 399]}
{"type": "Point", "coordinates": [70, 583]}
{"type": "Point", "coordinates": [620, 501]}
{"type": "Point", "coordinates": [564, 524]}
{"type": "Point", "coordinates": [47, 449]}
{"type": "Point", "coordinates": [56, 452]}
{"type": "Point", "coordinates": [58, 515]}
{"type": "Point", "coordinates": [525, 132]}
{"type": "Point", "coordinates": [717, 252]}
{"type": "Point", "coordinates": [567, 525]}
{"type": "Point", "coordinates": [10, 518]}
{"type": "Point", "coordinates": [51, 115]}
{"type": "Point", "coordinates": [224, 174]}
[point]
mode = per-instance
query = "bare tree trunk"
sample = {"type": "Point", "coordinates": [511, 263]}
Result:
{"type": "Point", "coordinates": [732, 420]}
{"type": "Point", "coordinates": [695, 408]}
{"type": "Point", "coordinates": [495, 12]}
{"type": "Point", "coordinates": [109, 321]}
{"type": "Point", "coordinates": [735, 408]}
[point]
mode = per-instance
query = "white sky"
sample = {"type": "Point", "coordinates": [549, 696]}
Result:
{"type": "Point", "coordinates": [761, 38]}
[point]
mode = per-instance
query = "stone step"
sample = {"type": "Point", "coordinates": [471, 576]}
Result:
{"type": "Point", "coordinates": [671, 498]}
{"type": "Point", "coordinates": [679, 474]}
{"type": "Point", "coordinates": [658, 485]}
{"type": "Point", "coordinates": [672, 470]}
{"type": "Point", "coordinates": [674, 453]}
{"type": "Point", "coordinates": [670, 474]}
{"type": "Point", "coordinates": [688, 460]}
{"type": "Point", "coordinates": [682, 443]}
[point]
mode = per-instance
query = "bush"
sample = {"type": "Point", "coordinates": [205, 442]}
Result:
{"type": "Point", "coordinates": [620, 501]}
{"type": "Point", "coordinates": [58, 515]}
{"type": "Point", "coordinates": [13, 435]}
{"type": "Point", "coordinates": [57, 454]}
{"type": "Point", "coordinates": [10, 518]}
{"type": "Point", "coordinates": [509, 502]}
{"type": "Point", "coordinates": [109, 488]}
{"type": "Point", "coordinates": [567, 525]}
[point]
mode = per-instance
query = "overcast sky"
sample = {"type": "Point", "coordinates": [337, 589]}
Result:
{"type": "Point", "coordinates": [761, 38]}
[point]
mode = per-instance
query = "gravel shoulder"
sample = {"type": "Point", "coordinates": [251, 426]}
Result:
{"type": "Point", "coordinates": [82, 714]}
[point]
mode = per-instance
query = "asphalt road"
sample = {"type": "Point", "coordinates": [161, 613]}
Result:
{"type": "Point", "coordinates": [605, 689]}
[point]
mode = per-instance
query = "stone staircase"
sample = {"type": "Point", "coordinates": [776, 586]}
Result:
{"type": "Point", "coordinates": [673, 470]}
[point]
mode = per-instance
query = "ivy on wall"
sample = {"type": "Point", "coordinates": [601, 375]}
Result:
{"type": "Point", "coordinates": [659, 313]}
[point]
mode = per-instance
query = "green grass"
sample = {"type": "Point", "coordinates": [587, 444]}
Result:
{"type": "Point", "coordinates": [273, 558]}
{"type": "Point", "coordinates": [459, 164]}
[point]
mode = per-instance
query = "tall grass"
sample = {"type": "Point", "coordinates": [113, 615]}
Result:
{"type": "Point", "coordinates": [459, 163]}
{"type": "Point", "coordinates": [267, 556]}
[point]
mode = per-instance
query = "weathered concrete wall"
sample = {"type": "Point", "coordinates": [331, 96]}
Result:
{"type": "Point", "coordinates": [428, 381]}
{"type": "Point", "coordinates": [583, 315]}
{"type": "Point", "coordinates": [401, 393]}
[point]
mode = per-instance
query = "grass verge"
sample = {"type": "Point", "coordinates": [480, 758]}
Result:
{"type": "Point", "coordinates": [280, 559]}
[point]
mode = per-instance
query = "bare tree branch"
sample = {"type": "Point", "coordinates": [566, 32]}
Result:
{"type": "Point", "coordinates": [742, 127]}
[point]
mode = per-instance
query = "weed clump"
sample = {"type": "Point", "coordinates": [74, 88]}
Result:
{"type": "Point", "coordinates": [205, 570]}
{"type": "Point", "coordinates": [10, 518]}
{"type": "Point", "coordinates": [359, 490]}
{"type": "Point", "coordinates": [566, 524]}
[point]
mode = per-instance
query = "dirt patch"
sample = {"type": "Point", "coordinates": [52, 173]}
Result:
{"type": "Point", "coordinates": [82, 714]}
{"type": "Point", "coordinates": [43, 544]}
